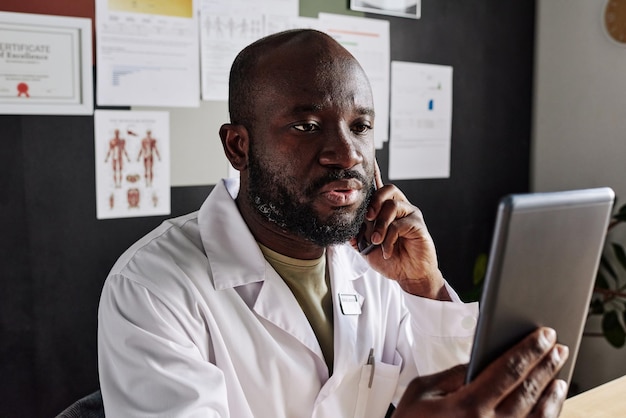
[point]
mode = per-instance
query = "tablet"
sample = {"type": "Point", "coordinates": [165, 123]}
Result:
{"type": "Point", "coordinates": [544, 255]}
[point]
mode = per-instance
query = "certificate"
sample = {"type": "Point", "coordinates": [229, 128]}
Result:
{"type": "Point", "coordinates": [45, 64]}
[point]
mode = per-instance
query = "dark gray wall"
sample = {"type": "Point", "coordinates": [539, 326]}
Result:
{"type": "Point", "coordinates": [54, 258]}
{"type": "Point", "coordinates": [490, 45]}
{"type": "Point", "coordinates": [54, 254]}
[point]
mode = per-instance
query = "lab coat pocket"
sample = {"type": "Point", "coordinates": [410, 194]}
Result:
{"type": "Point", "coordinates": [377, 386]}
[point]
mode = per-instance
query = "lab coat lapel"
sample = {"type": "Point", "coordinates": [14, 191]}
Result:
{"type": "Point", "coordinates": [236, 260]}
{"type": "Point", "coordinates": [277, 304]}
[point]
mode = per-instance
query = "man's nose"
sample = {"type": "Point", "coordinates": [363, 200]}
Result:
{"type": "Point", "coordinates": [341, 149]}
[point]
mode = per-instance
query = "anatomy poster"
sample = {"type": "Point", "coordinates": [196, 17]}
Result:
{"type": "Point", "coordinates": [132, 163]}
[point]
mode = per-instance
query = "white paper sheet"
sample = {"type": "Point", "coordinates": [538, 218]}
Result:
{"type": "Point", "coordinates": [147, 53]}
{"type": "Point", "coordinates": [421, 121]}
{"type": "Point", "coordinates": [279, 23]}
{"type": "Point", "coordinates": [368, 40]}
{"type": "Point", "coordinates": [226, 27]}
{"type": "Point", "coordinates": [402, 8]}
{"type": "Point", "coordinates": [132, 152]}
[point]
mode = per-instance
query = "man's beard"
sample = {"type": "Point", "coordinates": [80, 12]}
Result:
{"type": "Point", "coordinates": [283, 202]}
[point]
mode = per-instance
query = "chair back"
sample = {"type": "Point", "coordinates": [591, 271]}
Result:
{"type": "Point", "coordinates": [89, 406]}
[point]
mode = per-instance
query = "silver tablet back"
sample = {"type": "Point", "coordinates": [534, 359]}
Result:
{"type": "Point", "coordinates": [542, 266]}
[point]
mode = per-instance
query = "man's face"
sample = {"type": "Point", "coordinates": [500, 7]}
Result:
{"type": "Point", "coordinates": [311, 157]}
{"type": "Point", "coordinates": [286, 202]}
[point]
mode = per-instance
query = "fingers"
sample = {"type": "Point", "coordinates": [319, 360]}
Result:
{"type": "Point", "coordinates": [383, 194]}
{"type": "Point", "coordinates": [405, 223]}
{"type": "Point", "coordinates": [551, 401]}
{"type": "Point", "coordinates": [377, 176]}
{"type": "Point", "coordinates": [387, 205]}
{"type": "Point", "coordinates": [539, 388]}
{"type": "Point", "coordinates": [520, 383]}
{"type": "Point", "coordinates": [517, 379]}
{"type": "Point", "coordinates": [394, 203]}
{"type": "Point", "coordinates": [444, 382]}
{"type": "Point", "coordinates": [427, 394]}
{"type": "Point", "coordinates": [393, 220]}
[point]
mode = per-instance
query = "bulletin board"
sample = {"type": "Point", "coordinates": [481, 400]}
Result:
{"type": "Point", "coordinates": [56, 254]}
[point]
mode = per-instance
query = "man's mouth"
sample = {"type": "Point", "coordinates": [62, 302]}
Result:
{"type": "Point", "coordinates": [342, 192]}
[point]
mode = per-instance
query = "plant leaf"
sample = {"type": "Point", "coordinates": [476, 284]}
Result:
{"type": "Point", "coordinates": [480, 269]}
{"type": "Point", "coordinates": [604, 263]}
{"type": "Point", "coordinates": [619, 253]}
{"type": "Point", "coordinates": [596, 307]}
{"type": "Point", "coordinates": [601, 281]}
{"type": "Point", "coordinates": [621, 214]}
{"type": "Point", "coordinates": [613, 331]}
{"type": "Point", "coordinates": [472, 295]}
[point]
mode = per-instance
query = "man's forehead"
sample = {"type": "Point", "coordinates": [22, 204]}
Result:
{"type": "Point", "coordinates": [313, 46]}
{"type": "Point", "coordinates": [307, 69]}
{"type": "Point", "coordinates": [308, 73]}
{"type": "Point", "coordinates": [300, 94]}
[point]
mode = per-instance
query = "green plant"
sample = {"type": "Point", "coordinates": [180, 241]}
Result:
{"type": "Point", "coordinates": [609, 294]}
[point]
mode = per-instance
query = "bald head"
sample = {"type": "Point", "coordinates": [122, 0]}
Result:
{"type": "Point", "coordinates": [276, 60]}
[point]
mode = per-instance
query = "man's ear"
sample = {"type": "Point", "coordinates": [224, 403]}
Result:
{"type": "Point", "coordinates": [236, 143]}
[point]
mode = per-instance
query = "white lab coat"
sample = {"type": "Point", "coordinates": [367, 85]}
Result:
{"type": "Point", "coordinates": [193, 322]}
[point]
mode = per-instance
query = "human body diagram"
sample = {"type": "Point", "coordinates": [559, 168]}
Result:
{"type": "Point", "coordinates": [117, 152]}
{"type": "Point", "coordinates": [134, 185]}
{"type": "Point", "coordinates": [148, 151]}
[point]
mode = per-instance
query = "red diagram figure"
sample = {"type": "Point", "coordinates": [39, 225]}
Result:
{"type": "Point", "coordinates": [148, 150]}
{"type": "Point", "coordinates": [117, 150]}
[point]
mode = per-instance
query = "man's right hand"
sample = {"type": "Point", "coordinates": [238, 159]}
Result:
{"type": "Point", "coordinates": [520, 383]}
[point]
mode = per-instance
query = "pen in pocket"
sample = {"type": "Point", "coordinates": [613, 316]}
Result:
{"type": "Point", "coordinates": [371, 361]}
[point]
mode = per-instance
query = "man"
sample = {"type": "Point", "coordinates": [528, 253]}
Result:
{"type": "Point", "coordinates": [259, 305]}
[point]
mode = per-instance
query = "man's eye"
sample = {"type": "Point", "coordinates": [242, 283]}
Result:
{"type": "Point", "coordinates": [361, 128]}
{"type": "Point", "coordinates": [306, 127]}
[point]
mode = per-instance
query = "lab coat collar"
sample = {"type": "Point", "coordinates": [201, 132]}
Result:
{"type": "Point", "coordinates": [235, 259]}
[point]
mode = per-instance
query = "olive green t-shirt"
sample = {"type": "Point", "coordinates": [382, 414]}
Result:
{"type": "Point", "coordinates": [310, 284]}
